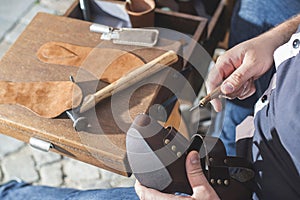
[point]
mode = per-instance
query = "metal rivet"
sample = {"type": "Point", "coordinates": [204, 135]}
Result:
{"type": "Point", "coordinates": [211, 159]}
{"type": "Point", "coordinates": [173, 148]}
{"type": "Point", "coordinates": [226, 182]}
{"type": "Point", "coordinates": [212, 181]}
{"type": "Point", "coordinates": [167, 141]}
{"type": "Point", "coordinates": [296, 44]}
{"type": "Point", "coordinates": [219, 181]}
{"type": "Point", "coordinates": [179, 154]}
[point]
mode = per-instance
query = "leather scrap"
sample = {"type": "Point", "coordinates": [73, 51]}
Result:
{"type": "Point", "coordinates": [106, 64]}
{"type": "Point", "coordinates": [46, 99]}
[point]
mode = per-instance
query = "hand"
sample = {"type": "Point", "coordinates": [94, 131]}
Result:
{"type": "Point", "coordinates": [239, 67]}
{"type": "Point", "coordinates": [201, 188]}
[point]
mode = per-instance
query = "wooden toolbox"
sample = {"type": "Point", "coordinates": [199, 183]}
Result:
{"type": "Point", "coordinates": [103, 146]}
{"type": "Point", "coordinates": [206, 31]}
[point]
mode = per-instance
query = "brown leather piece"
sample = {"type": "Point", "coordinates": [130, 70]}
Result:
{"type": "Point", "coordinates": [116, 62]}
{"type": "Point", "coordinates": [46, 99]}
{"type": "Point", "coordinates": [63, 53]}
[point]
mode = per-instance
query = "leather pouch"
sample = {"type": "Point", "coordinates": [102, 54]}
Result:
{"type": "Point", "coordinates": [157, 156]}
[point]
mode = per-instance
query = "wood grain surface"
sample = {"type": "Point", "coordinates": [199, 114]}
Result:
{"type": "Point", "coordinates": [102, 145]}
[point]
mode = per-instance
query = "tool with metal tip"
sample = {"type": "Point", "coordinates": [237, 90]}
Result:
{"type": "Point", "coordinates": [205, 100]}
{"type": "Point", "coordinates": [129, 79]}
{"type": "Point", "coordinates": [80, 123]}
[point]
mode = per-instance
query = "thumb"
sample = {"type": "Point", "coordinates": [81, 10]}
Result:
{"type": "Point", "coordinates": [194, 171]}
{"type": "Point", "coordinates": [238, 78]}
{"type": "Point", "coordinates": [201, 188]}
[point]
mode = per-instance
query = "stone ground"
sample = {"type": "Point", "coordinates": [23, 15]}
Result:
{"type": "Point", "coordinates": [19, 160]}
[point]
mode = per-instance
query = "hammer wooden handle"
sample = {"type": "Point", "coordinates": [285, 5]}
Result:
{"type": "Point", "coordinates": [129, 79]}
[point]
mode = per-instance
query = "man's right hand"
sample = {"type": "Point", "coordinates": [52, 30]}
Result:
{"type": "Point", "coordinates": [237, 69]}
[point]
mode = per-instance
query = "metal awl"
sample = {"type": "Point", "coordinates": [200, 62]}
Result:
{"type": "Point", "coordinates": [205, 100]}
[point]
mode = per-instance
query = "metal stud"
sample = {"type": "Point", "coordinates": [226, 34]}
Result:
{"type": "Point", "coordinates": [226, 182]}
{"type": "Point", "coordinates": [211, 159]}
{"type": "Point", "coordinates": [167, 141]}
{"type": "Point", "coordinates": [212, 181]}
{"type": "Point", "coordinates": [219, 181]}
{"type": "Point", "coordinates": [179, 154]}
{"type": "Point", "coordinates": [173, 148]}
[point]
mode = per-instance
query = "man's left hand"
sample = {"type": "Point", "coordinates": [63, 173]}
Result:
{"type": "Point", "coordinates": [201, 188]}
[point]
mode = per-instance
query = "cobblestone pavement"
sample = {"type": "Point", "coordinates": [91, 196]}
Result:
{"type": "Point", "coordinates": [19, 160]}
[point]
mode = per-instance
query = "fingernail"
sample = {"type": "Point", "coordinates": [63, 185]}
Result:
{"type": "Point", "coordinates": [227, 88]}
{"type": "Point", "coordinates": [195, 159]}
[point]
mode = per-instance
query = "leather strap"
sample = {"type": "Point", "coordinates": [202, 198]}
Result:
{"type": "Point", "coordinates": [171, 149]}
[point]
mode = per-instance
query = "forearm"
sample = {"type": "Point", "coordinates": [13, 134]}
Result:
{"type": "Point", "coordinates": [282, 33]}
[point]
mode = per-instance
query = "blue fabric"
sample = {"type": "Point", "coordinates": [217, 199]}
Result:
{"type": "Point", "coordinates": [277, 151]}
{"type": "Point", "coordinates": [251, 18]}
{"type": "Point", "coordinates": [15, 190]}
{"type": "Point", "coordinates": [270, 12]}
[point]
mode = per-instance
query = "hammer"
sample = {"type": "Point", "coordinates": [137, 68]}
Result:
{"type": "Point", "coordinates": [129, 79]}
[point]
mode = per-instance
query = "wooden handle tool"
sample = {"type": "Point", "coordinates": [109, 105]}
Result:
{"type": "Point", "coordinates": [129, 79]}
{"type": "Point", "coordinates": [205, 100]}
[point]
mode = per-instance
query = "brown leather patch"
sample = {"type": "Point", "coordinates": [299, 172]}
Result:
{"type": "Point", "coordinates": [106, 64]}
{"type": "Point", "coordinates": [46, 99]}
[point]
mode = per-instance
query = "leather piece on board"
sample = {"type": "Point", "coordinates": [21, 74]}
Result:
{"type": "Point", "coordinates": [46, 99]}
{"type": "Point", "coordinates": [114, 62]}
{"type": "Point", "coordinates": [63, 53]}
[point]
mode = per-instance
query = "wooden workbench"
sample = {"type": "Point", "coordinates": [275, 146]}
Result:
{"type": "Point", "coordinates": [104, 144]}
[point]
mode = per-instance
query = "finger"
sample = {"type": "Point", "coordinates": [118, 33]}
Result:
{"type": "Point", "coordinates": [239, 92]}
{"type": "Point", "coordinates": [217, 104]}
{"type": "Point", "coordinates": [197, 179]}
{"type": "Point", "coordinates": [213, 80]}
{"type": "Point", "coordinates": [249, 90]}
{"type": "Point", "coordinates": [145, 193]}
{"type": "Point", "coordinates": [194, 171]}
{"type": "Point", "coordinates": [238, 78]}
{"type": "Point", "coordinates": [242, 92]}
